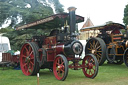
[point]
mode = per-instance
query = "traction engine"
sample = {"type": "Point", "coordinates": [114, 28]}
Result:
{"type": "Point", "coordinates": [57, 52]}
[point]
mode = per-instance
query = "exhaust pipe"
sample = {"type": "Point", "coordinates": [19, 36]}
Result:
{"type": "Point", "coordinates": [72, 20]}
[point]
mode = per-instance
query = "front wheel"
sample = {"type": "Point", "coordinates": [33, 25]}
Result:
{"type": "Point", "coordinates": [112, 57]}
{"type": "Point", "coordinates": [125, 57]}
{"type": "Point", "coordinates": [60, 67]}
{"type": "Point", "coordinates": [110, 54]}
{"type": "Point", "coordinates": [90, 66]}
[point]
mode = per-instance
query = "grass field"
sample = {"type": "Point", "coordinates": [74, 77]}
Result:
{"type": "Point", "coordinates": [109, 74]}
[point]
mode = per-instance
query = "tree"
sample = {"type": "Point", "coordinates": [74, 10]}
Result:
{"type": "Point", "coordinates": [17, 9]}
{"type": "Point", "coordinates": [125, 19]}
{"type": "Point", "coordinates": [5, 30]}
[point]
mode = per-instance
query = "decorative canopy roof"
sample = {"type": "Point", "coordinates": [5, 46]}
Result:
{"type": "Point", "coordinates": [51, 22]}
{"type": "Point", "coordinates": [88, 23]}
{"type": "Point", "coordinates": [106, 27]}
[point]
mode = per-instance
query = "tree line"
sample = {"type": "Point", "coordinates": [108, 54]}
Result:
{"type": "Point", "coordinates": [21, 12]}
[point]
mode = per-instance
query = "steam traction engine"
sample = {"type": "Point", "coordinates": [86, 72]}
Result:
{"type": "Point", "coordinates": [108, 43]}
{"type": "Point", "coordinates": [55, 51]}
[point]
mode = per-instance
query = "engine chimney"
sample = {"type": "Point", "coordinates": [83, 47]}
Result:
{"type": "Point", "coordinates": [72, 20]}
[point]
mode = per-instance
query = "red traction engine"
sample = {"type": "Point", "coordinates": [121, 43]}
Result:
{"type": "Point", "coordinates": [57, 52]}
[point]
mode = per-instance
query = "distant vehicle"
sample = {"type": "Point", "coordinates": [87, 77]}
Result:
{"type": "Point", "coordinates": [109, 43]}
{"type": "Point", "coordinates": [4, 45]}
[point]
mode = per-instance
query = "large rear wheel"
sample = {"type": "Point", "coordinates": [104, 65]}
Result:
{"type": "Point", "coordinates": [28, 62]}
{"type": "Point", "coordinates": [97, 47]}
{"type": "Point", "coordinates": [91, 65]}
{"type": "Point", "coordinates": [60, 67]}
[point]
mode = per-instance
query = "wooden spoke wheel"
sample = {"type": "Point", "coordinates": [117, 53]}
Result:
{"type": "Point", "coordinates": [60, 67]}
{"type": "Point", "coordinates": [97, 47]}
{"type": "Point", "coordinates": [28, 62]}
{"type": "Point", "coordinates": [91, 65]}
{"type": "Point", "coordinates": [125, 57]}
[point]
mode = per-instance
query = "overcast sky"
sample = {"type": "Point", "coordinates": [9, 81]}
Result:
{"type": "Point", "coordinates": [99, 11]}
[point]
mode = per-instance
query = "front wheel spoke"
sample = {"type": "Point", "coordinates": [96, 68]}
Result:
{"type": "Point", "coordinates": [86, 69]}
{"type": "Point", "coordinates": [62, 63]}
{"type": "Point", "coordinates": [61, 60]}
{"type": "Point", "coordinates": [89, 59]}
{"type": "Point", "coordinates": [62, 74]}
{"type": "Point", "coordinates": [85, 65]}
{"type": "Point", "coordinates": [58, 61]}
{"type": "Point", "coordinates": [58, 71]}
{"type": "Point", "coordinates": [57, 64]}
{"type": "Point", "coordinates": [94, 69]}
{"type": "Point", "coordinates": [31, 57]}
{"type": "Point", "coordinates": [86, 62]}
{"type": "Point", "coordinates": [90, 72]}
{"type": "Point", "coordinates": [62, 70]}
{"type": "Point", "coordinates": [27, 70]}
{"type": "Point", "coordinates": [92, 61]}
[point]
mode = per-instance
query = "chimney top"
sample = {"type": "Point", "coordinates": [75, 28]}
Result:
{"type": "Point", "coordinates": [71, 9]}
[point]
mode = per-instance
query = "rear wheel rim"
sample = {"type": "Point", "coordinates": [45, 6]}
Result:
{"type": "Point", "coordinates": [28, 61]}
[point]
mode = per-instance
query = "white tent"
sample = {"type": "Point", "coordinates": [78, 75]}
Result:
{"type": "Point", "coordinates": [4, 45]}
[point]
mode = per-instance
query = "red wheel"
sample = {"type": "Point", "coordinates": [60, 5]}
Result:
{"type": "Point", "coordinates": [60, 67]}
{"type": "Point", "coordinates": [90, 64]}
{"type": "Point", "coordinates": [28, 62]}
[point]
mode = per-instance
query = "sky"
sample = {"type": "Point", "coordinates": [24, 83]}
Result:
{"type": "Point", "coordinates": [99, 11]}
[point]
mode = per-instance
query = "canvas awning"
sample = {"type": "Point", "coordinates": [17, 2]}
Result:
{"type": "Point", "coordinates": [54, 21]}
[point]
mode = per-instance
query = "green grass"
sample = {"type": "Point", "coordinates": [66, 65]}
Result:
{"type": "Point", "coordinates": [109, 74]}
